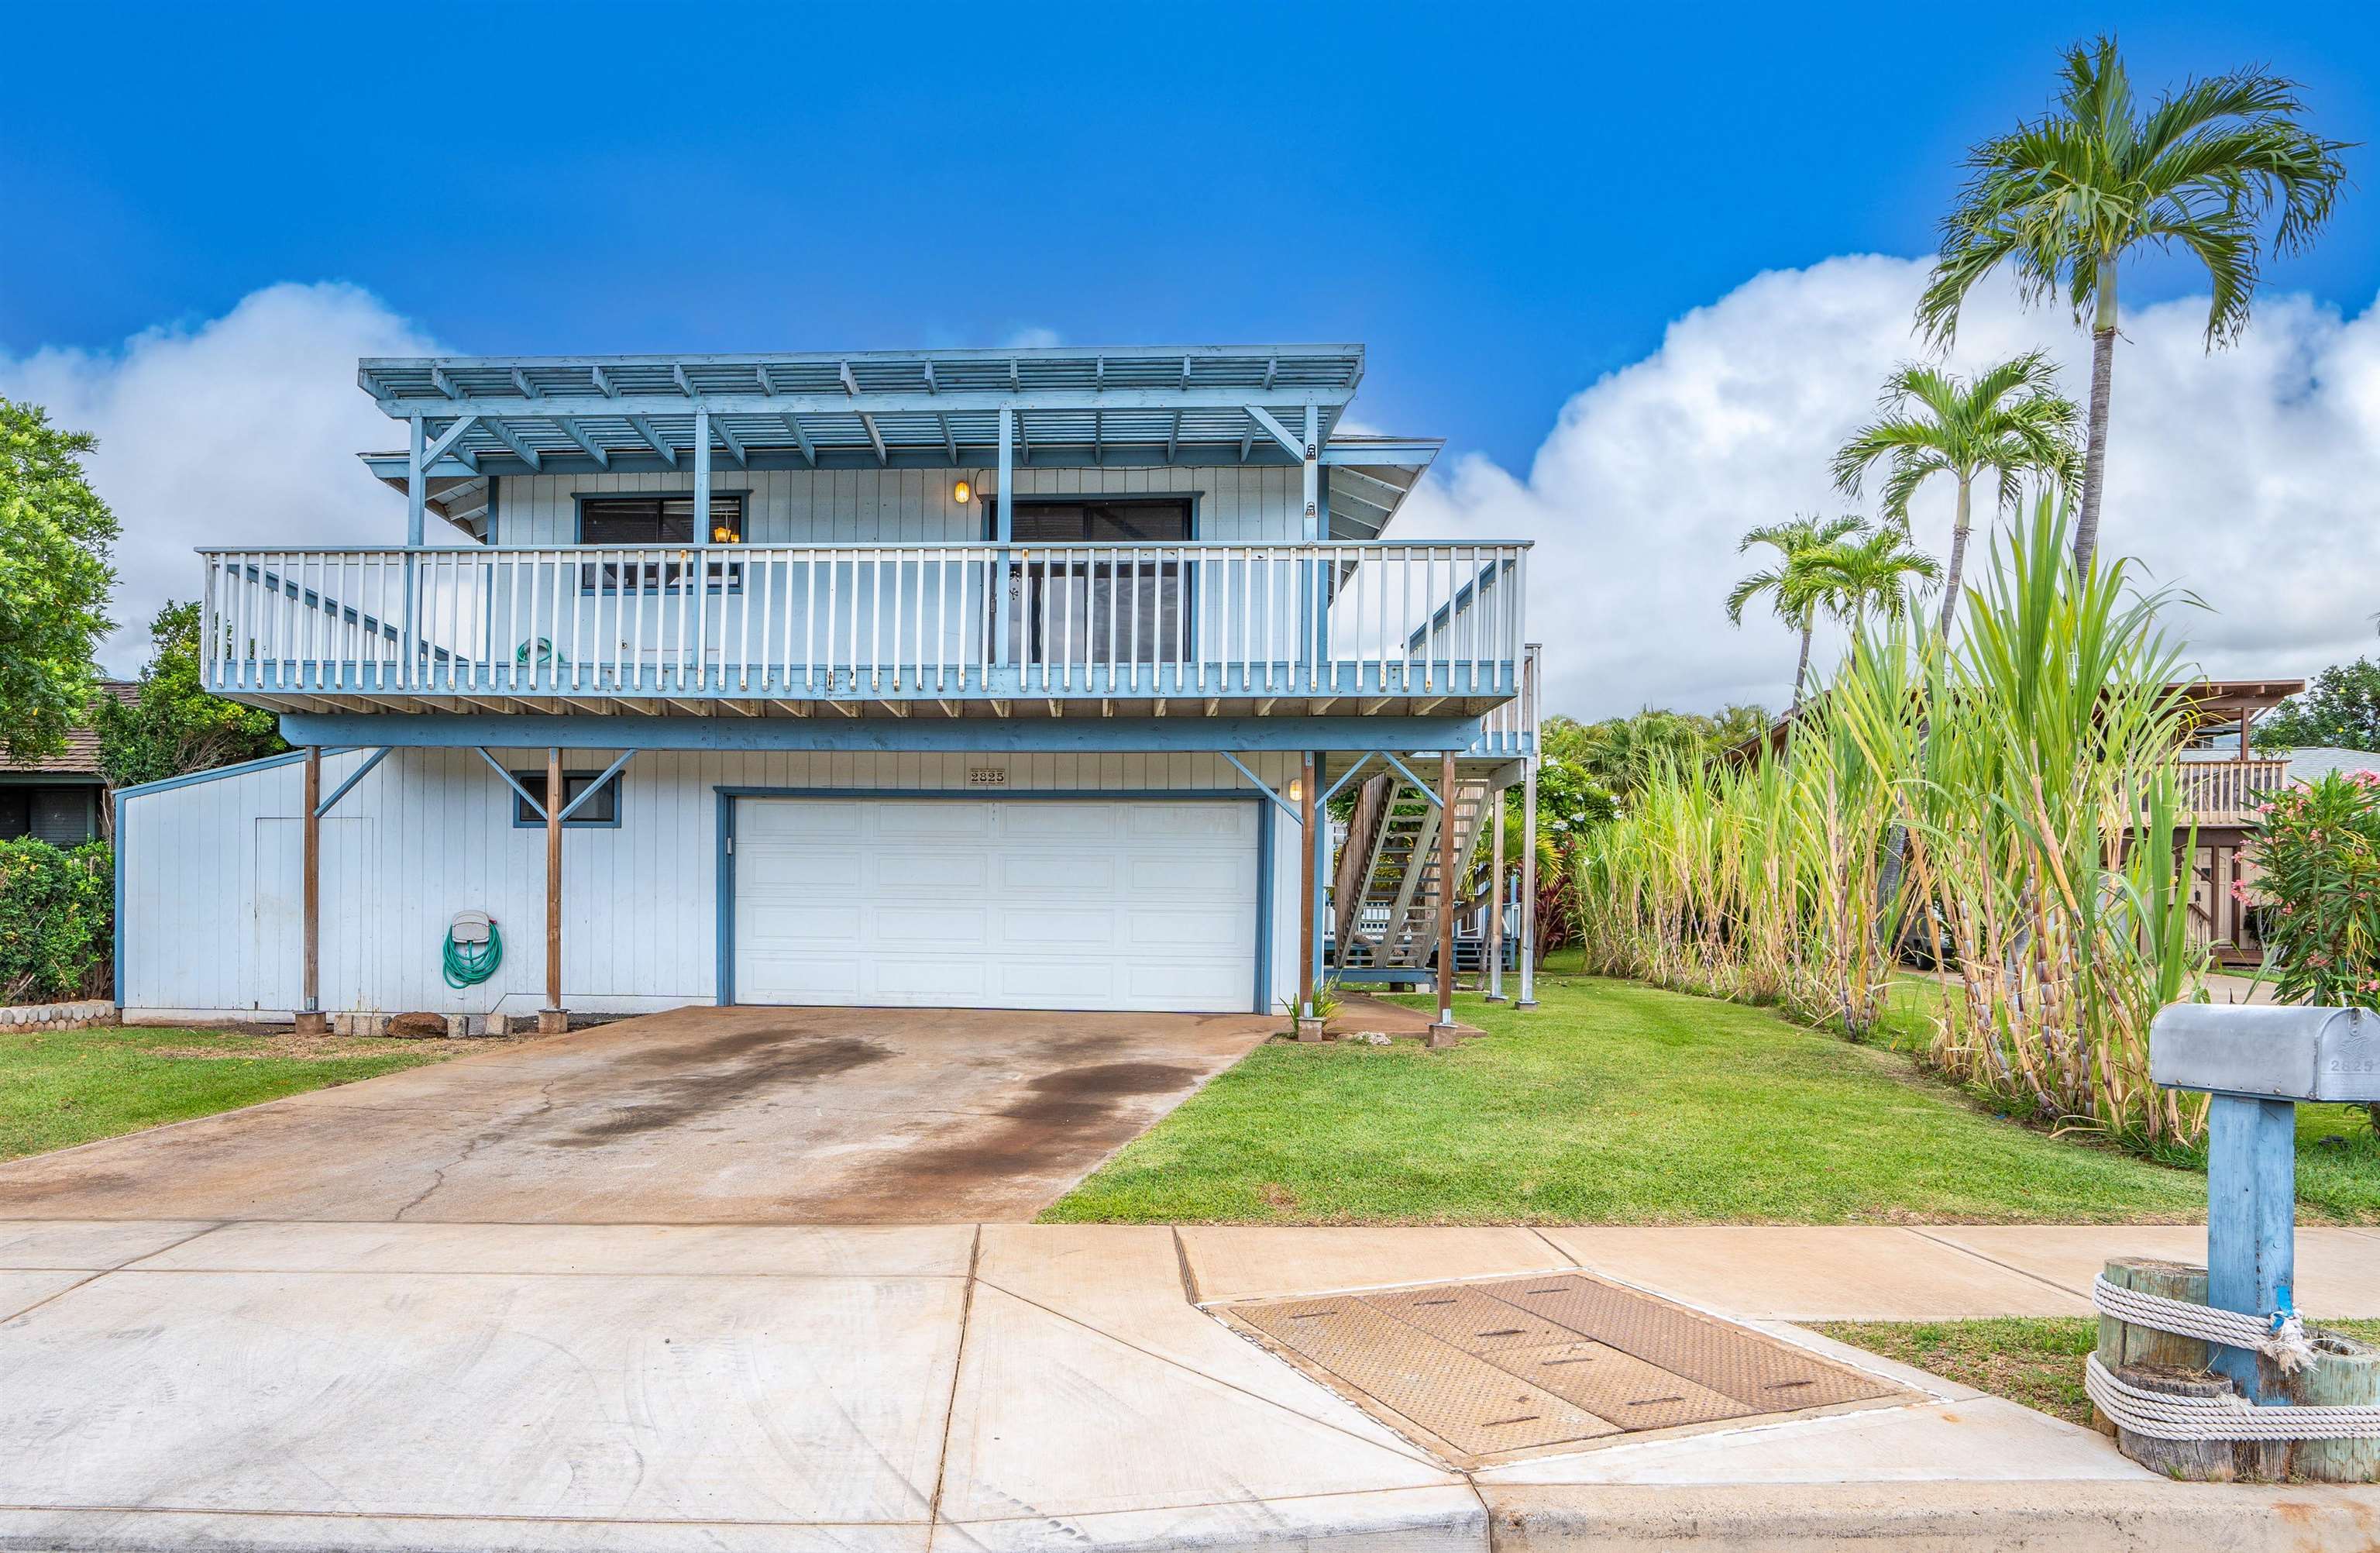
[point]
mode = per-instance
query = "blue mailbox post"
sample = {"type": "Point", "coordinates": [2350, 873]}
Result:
{"type": "Point", "coordinates": [2259, 1063]}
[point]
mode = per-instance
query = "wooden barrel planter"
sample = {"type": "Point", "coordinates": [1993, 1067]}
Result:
{"type": "Point", "coordinates": [2346, 1373]}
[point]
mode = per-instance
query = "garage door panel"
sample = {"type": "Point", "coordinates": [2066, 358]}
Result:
{"type": "Point", "coordinates": [765, 822]}
{"type": "Point", "coordinates": [1208, 878]}
{"type": "Point", "coordinates": [1056, 984]}
{"type": "Point", "coordinates": [1058, 820]}
{"type": "Point", "coordinates": [923, 979]}
{"type": "Point", "coordinates": [1081, 929]}
{"type": "Point", "coordinates": [997, 902]}
{"type": "Point", "coordinates": [894, 821]}
{"type": "Point", "coordinates": [955, 928]}
{"type": "Point", "coordinates": [1189, 819]}
{"type": "Point", "coordinates": [794, 867]}
{"type": "Point", "coordinates": [942, 870]}
{"type": "Point", "coordinates": [1073, 876]}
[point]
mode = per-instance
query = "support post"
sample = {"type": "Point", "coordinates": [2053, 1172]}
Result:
{"type": "Point", "coordinates": [1310, 1027]}
{"type": "Point", "coordinates": [1496, 904]}
{"type": "Point", "coordinates": [1318, 840]}
{"type": "Point", "coordinates": [1311, 475]}
{"type": "Point", "coordinates": [701, 567]}
{"type": "Point", "coordinates": [1528, 885]}
{"type": "Point", "coordinates": [1003, 527]}
{"type": "Point", "coordinates": [1441, 1033]}
{"type": "Point", "coordinates": [416, 496]}
{"type": "Point", "coordinates": [309, 1019]}
{"type": "Point", "coordinates": [2251, 1222]}
{"type": "Point", "coordinates": [552, 1019]}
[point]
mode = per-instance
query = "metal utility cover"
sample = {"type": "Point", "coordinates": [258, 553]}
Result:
{"type": "Point", "coordinates": [1509, 1368]}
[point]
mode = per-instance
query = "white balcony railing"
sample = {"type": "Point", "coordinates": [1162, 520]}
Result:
{"type": "Point", "coordinates": [875, 622]}
{"type": "Point", "coordinates": [2228, 792]}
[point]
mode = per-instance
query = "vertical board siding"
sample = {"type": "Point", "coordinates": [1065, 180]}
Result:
{"type": "Point", "coordinates": [431, 833]}
{"type": "Point", "coordinates": [1240, 505]}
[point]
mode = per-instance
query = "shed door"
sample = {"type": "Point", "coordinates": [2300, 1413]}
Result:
{"type": "Point", "coordinates": [969, 903]}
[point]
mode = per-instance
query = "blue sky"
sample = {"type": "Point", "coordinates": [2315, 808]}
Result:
{"type": "Point", "coordinates": [1503, 203]}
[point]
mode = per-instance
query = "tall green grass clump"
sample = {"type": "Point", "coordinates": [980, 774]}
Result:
{"type": "Point", "coordinates": [2005, 807]}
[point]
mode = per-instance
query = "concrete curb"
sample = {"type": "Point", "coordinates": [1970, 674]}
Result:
{"type": "Point", "coordinates": [2062, 1516]}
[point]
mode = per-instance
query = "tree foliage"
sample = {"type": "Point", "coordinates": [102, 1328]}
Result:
{"type": "Point", "coordinates": [2341, 708]}
{"type": "Point", "coordinates": [55, 539]}
{"type": "Point", "coordinates": [2010, 423]}
{"type": "Point", "coordinates": [2065, 198]}
{"type": "Point", "coordinates": [57, 920]}
{"type": "Point", "coordinates": [176, 727]}
{"type": "Point", "coordinates": [2318, 854]}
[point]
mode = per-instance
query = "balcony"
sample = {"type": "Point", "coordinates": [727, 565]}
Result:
{"type": "Point", "coordinates": [2227, 792]}
{"type": "Point", "coordinates": [927, 630]}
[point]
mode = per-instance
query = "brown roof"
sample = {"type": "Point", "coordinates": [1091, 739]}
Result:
{"type": "Point", "coordinates": [81, 757]}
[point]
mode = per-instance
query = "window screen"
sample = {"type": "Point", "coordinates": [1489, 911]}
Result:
{"type": "Point", "coordinates": [656, 520]}
{"type": "Point", "coordinates": [1102, 522]}
{"type": "Point", "coordinates": [603, 809]}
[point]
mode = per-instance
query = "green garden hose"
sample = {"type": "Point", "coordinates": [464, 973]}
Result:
{"type": "Point", "coordinates": [468, 965]}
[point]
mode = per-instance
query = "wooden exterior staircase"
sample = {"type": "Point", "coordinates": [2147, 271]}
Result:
{"type": "Point", "coordinates": [1386, 883]}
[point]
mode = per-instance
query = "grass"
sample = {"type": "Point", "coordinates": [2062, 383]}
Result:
{"type": "Point", "coordinates": [2338, 1151]}
{"type": "Point", "coordinates": [63, 1087]}
{"type": "Point", "coordinates": [1615, 1104]}
{"type": "Point", "coordinates": [2037, 1361]}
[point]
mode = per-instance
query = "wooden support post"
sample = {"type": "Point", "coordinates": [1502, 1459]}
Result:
{"type": "Point", "coordinates": [309, 1019]}
{"type": "Point", "coordinates": [1528, 885]}
{"type": "Point", "coordinates": [1003, 629]}
{"type": "Point", "coordinates": [552, 1019]}
{"type": "Point", "coordinates": [2251, 1223]}
{"type": "Point", "coordinates": [1496, 903]}
{"type": "Point", "coordinates": [1310, 1027]}
{"type": "Point", "coordinates": [1441, 1033]}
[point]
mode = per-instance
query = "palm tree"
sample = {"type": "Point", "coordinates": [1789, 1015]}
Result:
{"type": "Point", "coordinates": [1878, 574]}
{"type": "Point", "coordinates": [2010, 421]}
{"type": "Point", "coordinates": [1798, 582]}
{"type": "Point", "coordinates": [2068, 196]}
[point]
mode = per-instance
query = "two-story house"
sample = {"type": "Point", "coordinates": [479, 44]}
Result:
{"type": "Point", "coordinates": [988, 678]}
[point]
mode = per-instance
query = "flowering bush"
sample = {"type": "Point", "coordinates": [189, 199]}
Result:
{"type": "Point", "coordinates": [2320, 856]}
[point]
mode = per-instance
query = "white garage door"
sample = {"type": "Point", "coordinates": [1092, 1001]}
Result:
{"type": "Point", "coordinates": [972, 903]}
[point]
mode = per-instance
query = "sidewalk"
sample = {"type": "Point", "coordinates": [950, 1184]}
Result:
{"type": "Point", "coordinates": [484, 1387]}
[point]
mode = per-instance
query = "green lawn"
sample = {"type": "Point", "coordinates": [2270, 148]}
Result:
{"type": "Point", "coordinates": [61, 1087]}
{"type": "Point", "coordinates": [1618, 1103]}
{"type": "Point", "coordinates": [2037, 1361]}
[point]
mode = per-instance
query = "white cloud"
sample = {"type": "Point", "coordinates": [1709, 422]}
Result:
{"type": "Point", "coordinates": [2250, 477]}
{"type": "Point", "coordinates": [1034, 337]}
{"type": "Point", "coordinates": [243, 429]}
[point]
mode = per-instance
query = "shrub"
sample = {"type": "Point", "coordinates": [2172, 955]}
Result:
{"type": "Point", "coordinates": [2320, 857]}
{"type": "Point", "coordinates": [57, 920]}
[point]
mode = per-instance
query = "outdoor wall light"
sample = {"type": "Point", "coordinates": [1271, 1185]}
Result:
{"type": "Point", "coordinates": [1296, 789]}
{"type": "Point", "coordinates": [962, 492]}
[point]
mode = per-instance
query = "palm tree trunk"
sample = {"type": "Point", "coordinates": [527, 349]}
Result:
{"type": "Point", "coordinates": [2095, 450]}
{"type": "Point", "coordinates": [1800, 671]}
{"type": "Point", "coordinates": [1957, 557]}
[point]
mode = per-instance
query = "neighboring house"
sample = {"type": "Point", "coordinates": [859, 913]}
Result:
{"type": "Point", "coordinates": [63, 799]}
{"type": "Point", "coordinates": [1001, 679]}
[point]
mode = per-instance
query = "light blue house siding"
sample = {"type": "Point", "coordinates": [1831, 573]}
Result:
{"type": "Point", "coordinates": [212, 873]}
{"type": "Point", "coordinates": [1252, 505]}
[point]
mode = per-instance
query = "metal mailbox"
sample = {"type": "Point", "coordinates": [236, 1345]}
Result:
{"type": "Point", "coordinates": [2267, 1052]}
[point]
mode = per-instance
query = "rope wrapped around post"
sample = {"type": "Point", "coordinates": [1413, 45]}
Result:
{"type": "Point", "coordinates": [2279, 1337]}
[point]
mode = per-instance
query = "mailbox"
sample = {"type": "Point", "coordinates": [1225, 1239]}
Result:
{"type": "Point", "coordinates": [2267, 1052]}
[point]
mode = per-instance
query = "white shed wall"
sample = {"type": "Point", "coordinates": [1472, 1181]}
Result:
{"type": "Point", "coordinates": [211, 876]}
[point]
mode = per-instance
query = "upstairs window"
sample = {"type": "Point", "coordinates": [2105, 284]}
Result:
{"type": "Point", "coordinates": [656, 520]}
{"type": "Point", "coordinates": [1124, 521]}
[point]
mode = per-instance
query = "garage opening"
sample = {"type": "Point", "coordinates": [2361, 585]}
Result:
{"type": "Point", "coordinates": [1128, 904]}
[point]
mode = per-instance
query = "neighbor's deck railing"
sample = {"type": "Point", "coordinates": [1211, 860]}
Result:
{"type": "Point", "coordinates": [872, 621]}
{"type": "Point", "coordinates": [2227, 792]}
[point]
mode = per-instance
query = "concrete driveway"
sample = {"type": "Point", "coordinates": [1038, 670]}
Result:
{"type": "Point", "coordinates": [701, 1115]}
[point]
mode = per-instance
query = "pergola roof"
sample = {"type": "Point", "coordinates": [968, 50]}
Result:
{"type": "Point", "coordinates": [1142, 405]}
